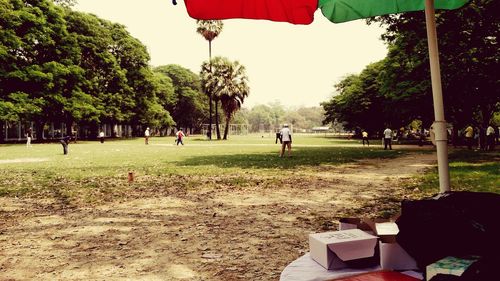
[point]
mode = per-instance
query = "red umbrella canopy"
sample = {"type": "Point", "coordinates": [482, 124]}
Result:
{"type": "Point", "coordinates": [292, 11]}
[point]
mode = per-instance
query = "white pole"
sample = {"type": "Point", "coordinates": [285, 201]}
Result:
{"type": "Point", "coordinates": [439, 123]}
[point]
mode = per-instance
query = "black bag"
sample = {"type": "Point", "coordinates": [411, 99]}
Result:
{"type": "Point", "coordinates": [450, 224]}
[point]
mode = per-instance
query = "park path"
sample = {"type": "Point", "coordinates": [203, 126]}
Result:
{"type": "Point", "coordinates": [222, 232]}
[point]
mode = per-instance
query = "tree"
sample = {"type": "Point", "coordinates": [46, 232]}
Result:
{"type": "Point", "coordinates": [210, 29]}
{"type": "Point", "coordinates": [66, 3]}
{"type": "Point", "coordinates": [469, 55]}
{"type": "Point", "coordinates": [260, 117]}
{"type": "Point", "coordinates": [38, 73]}
{"type": "Point", "coordinates": [229, 83]}
{"type": "Point", "coordinates": [58, 65]}
{"type": "Point", "coordinates": [189, 109]}
{"type": "Point", "coordinates": [397, 90]}
{"type": "Point", "coordinates": [117, 73]}
{"type": "Point", "coordinates": [360, 103]}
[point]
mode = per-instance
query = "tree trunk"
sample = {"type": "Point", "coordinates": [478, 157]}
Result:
{"type": "Point", "coordinates": [210, 122]}
{"type": "Point", "coordinates": [217, 119]}
{"type": "Point", "coordinates": [226, 130]}
{"type": "Point", "coordinates": [39, 129]}
{"type": "Point", "coordinates": [69, 126]}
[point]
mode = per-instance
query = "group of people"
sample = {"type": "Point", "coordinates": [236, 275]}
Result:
{"type": "Point", "coordinates": [387, 138]}
{"type": "Point", "coordinates": [484, 139]}
{"type": "Point", "coordinates": [179, 136]}
{"type": "Point", "coordinates": [285, 137]}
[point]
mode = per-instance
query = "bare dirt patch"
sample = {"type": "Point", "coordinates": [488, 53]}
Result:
{"type": "Point", "coordinates": [218, 232]}
{"type": "Point", "coordinates": [23, 160]}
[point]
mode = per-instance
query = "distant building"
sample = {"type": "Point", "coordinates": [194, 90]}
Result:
{"type": "Point", "coordinates": [317, 130]}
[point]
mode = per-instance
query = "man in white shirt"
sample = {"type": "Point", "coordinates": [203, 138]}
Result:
{"type": "Point", "coordinates": [490, 138]}
{"type": "Point", "coordinates": [286, 138]}
{"type": "Point", "coordinates": [146, 136]}
{"type": "Point", "coordinates": [101, 136]}
{"type": "Point", "coordinates": [387, 138]}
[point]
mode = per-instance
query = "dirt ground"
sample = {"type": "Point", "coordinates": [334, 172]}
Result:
{"type": "Point", "coordinates": [221, 233]}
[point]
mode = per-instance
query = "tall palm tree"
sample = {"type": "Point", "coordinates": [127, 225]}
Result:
{"type": "Point", "coordinates": [210, 29]}
{"type": "Point", "coordinates": [229, 83]}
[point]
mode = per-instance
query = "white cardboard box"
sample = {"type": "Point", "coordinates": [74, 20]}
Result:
{"type": "Point", "coordinates": [332, 249]}
{"type": "Point", "coordinates": [392, 255]}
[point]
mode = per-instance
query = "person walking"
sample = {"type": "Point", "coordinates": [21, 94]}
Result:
{"type": "Point", "coordinates": [29, 136]}
{"type": "Point", "coordinates": [364, 134]}
{"type": "Point", "coordinates": [180, 136]}
{"type": "Point", "coordinates": [101, 136]}
{"type": "Point", "coordinates": [490, 138]}
{"type": "Point", "coordinates": [146, 136]}
{"type": "Point", "coordinates": [387, 138]}
{"type": "Point", "coordinates": [286, 140]}
{"type": "Point", "coordinates": [469, 136]}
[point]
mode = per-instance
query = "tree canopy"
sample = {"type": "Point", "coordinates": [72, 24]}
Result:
{"type": "Point", "coordinates": [57, 64]}
{"type": "Point", "coordinates": [397, 89]}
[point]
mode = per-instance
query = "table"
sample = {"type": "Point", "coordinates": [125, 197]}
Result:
{"type": "Point", "coordinates": [306, 269]}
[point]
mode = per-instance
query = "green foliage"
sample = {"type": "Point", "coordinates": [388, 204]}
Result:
{"type": "Point", "coordinates": [469, 55]}
{"type": "Point", "coordinates": [66, 3]}
{"type": "Point", "coordinates": [189, 109]}
{"type": "Point", "coordinates": [209, 29]}
{"type": "Point", "coordinates": [260, 115]}
{"type": "Point", "coordinates": [360, 102]}
{"type": "Point", "coordinates": [228, 82]}
{"type": "Point", "coordinates": [273, 115]}
{"type": "Point", "coordinates": [61, 65]}
{"type": "Point", "coordinates": [397, 90]}
{"type": "Point", "coordinates": [469, 171]}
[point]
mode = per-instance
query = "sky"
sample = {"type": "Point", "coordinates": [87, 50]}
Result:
{"type": "Point", "coordinates": [295, 65]}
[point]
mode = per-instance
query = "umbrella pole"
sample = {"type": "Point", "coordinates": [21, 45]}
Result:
{"type": "Point", "coordinates": [437, 94]}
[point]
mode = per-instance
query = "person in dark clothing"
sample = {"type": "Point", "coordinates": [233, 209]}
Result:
{"type": "Point", "coordinates": [65, 142]}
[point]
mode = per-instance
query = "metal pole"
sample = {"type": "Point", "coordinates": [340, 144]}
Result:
{"type": "Point", "coordinates": [439, 123]}
{"type": "Point", "coordinates": [210, 94]}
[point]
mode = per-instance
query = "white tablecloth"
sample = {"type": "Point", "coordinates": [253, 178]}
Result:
{"type": "Point", "coordinates": [306, 269]}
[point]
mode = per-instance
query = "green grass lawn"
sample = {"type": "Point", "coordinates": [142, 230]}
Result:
{"type": "Point", "coordinates": [88, 163]}
{"type": "Point", "coordinates": [469, 170]}
{"type": "Point", "coordinates": [92, 165]}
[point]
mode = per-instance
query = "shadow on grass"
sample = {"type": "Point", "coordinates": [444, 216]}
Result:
{"type": "Point", "coordinates": [303, 156]}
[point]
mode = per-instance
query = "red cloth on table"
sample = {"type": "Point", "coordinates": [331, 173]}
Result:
{"type": "Point", "coordinates": [379, 276]}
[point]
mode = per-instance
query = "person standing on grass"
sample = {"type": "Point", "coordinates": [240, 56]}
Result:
{"type": "Point", "coordinates": [490, 138]}
{"type": "Point", "coordinates": [286, 140]}
{"type": "Point", "coordinates": [146, 136]}
{"type": "Point", "coordinates": [180, 135]}
{"type": "Point", "coordinates": [65, 143]}
{"type": "Point", "coordinates": [388, 138]}
{"type": "Point", "coordinates": [469, 136]}
{"type": "Point", "coordinates": [364, 134]}
{"type": "Point", "coordinates": [101, 136]}
{"type": "Point", "coordinates": [29, 136]}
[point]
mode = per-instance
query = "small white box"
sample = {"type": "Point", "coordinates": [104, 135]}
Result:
{"type": "Point", "coordinates": [449, 265]}
{"type": "Point", "coordinates": [332, 249]}
{"type": "Point", "coordinates": [392, 255]}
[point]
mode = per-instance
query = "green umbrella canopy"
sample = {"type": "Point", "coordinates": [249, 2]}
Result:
{"type": "Point", "coordinates": [346, 10]}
